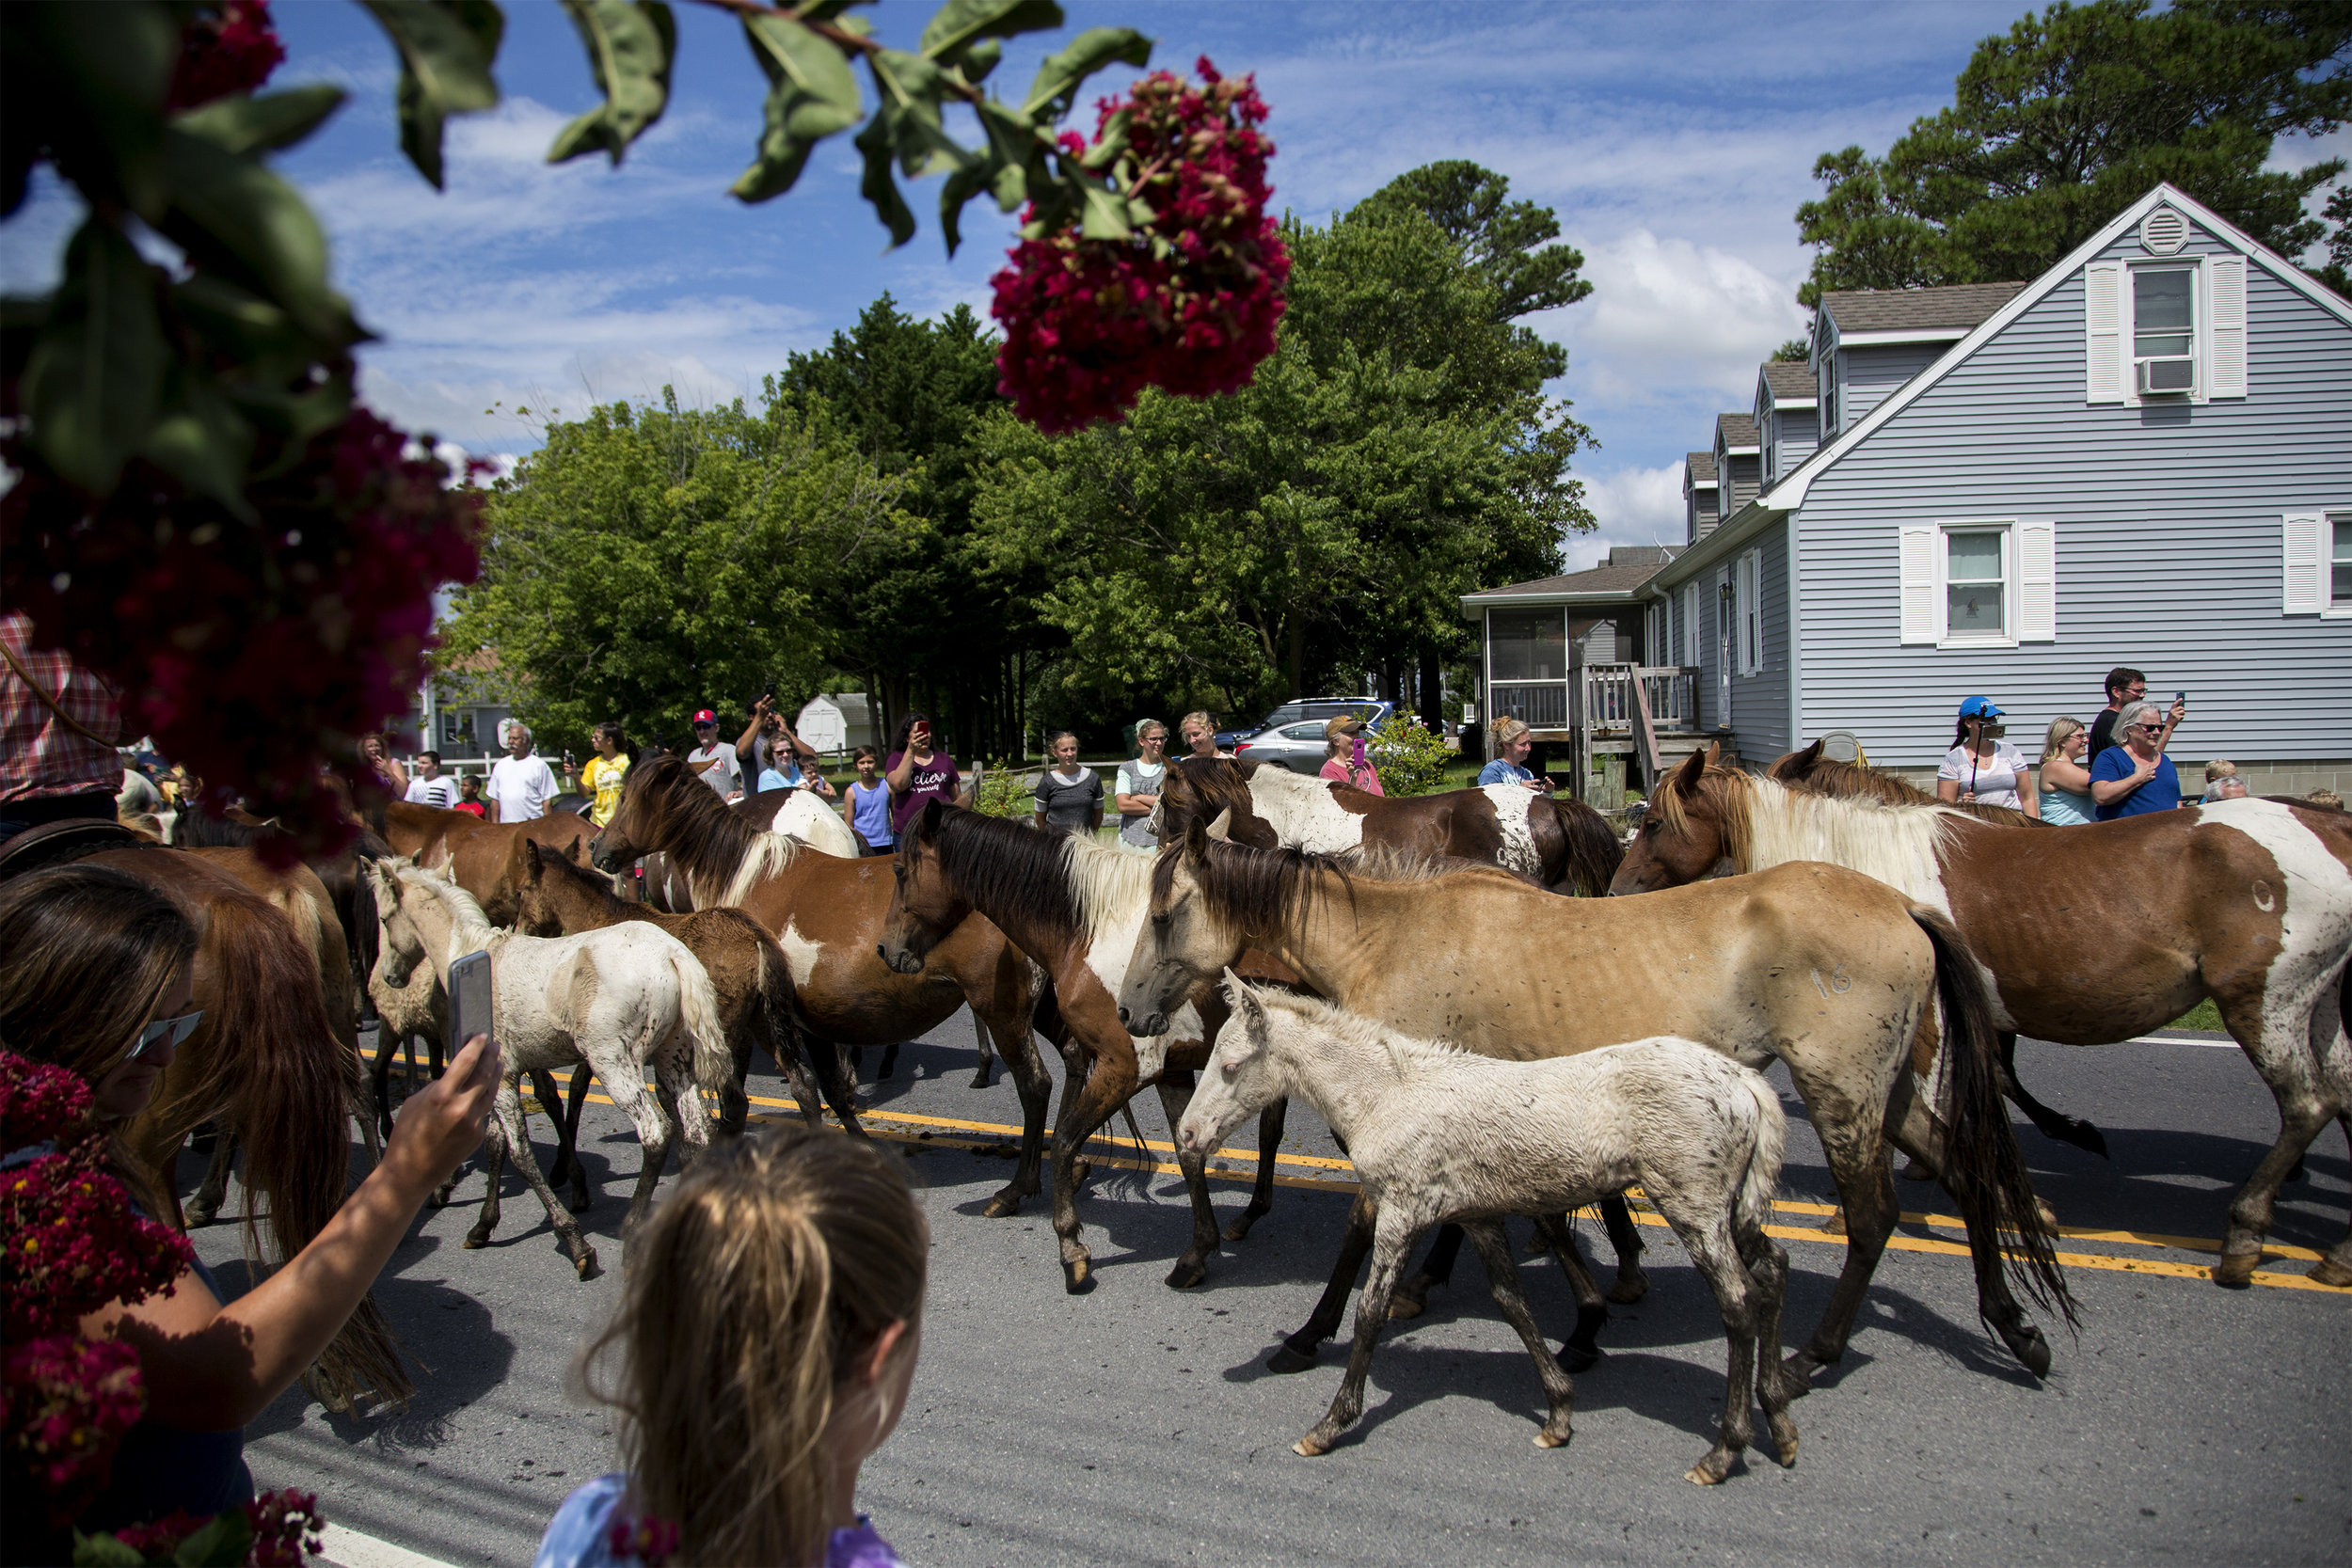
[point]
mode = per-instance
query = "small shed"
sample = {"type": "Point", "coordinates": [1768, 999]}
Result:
{"type": "Point", "coordinates": [836, 722]}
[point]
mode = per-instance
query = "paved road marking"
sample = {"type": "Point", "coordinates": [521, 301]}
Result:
{"type": "Point", "coordinates": [348, 1548]}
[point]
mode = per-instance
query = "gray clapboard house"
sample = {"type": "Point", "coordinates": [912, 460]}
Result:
{"type": "Point", "coordinates": [2141, 457]}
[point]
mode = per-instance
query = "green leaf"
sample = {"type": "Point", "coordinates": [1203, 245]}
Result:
{"type": "Point", "coordinates": [979, 60]}
{"type": "Point", "coordinates": [878, 187]}
{"type": "Point", "coordinates": [97, 367]}
{"type": "Point", "coordinates": [446, 51]}
{"type": "Point", "coordinates": [231, 213]}
{"type": "Point", "coordinates": [104, 1551]}
{"type": "Point", "coordinates": [782, 155]}
{"type": "Point", "coordinates": [815, 67]}
{"type": "Point", "coordinates": [1062, 75]}
{"type": "Point", "coordinates": [92, 79]}
{"type": "Point", "coordinates": [1104, 216]}
{"type": "Point", "coordinates": [961, 22]}
{"type": "Point", "coordinates": [1111, 147]}
{"type": "Point", "coordinates": [201, 441]}
{"type": "Point", "coordinates": [631, 45]}
{"type": "Point", "coordinates": [903, 78]}
{"type": "Point", "coordinates": [219, 1545]}
{"type": "Point", "coordinates": [266, 124]}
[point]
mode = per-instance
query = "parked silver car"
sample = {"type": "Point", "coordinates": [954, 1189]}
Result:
{"type": "Point", "coordinates": [1292, 737]}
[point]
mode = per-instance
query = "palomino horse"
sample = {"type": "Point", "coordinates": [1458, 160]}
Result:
{"type": "Point", "coordinates": [1437, 1133]}
{"type": "Point", "coordinates": [1562, 843]}
{"type": "Point", "coordinates": [272, 1067]}
{"type": "Point", "coordinates": [1836, 975]}
{"type": "Point", "coordinates": [828, 915]}
{"type": "Point", "coordinates": [2248, 902]}
{"type": "Point", "coordinates": [1078, 908]}
{"type": "Point", "coordinates": [621, 999]}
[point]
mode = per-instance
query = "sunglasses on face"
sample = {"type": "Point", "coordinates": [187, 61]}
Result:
{"type": "Point", "coordinates": [164, 1031]}
{"type": "Point", "coordinates": [2150, 729]}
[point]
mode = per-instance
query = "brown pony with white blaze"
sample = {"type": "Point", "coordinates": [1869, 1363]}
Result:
{"type": "Point", "coordinates": [1562, 843]}
{"type": "Point", "coordinates": [2248, 902]}
{"type": "Point", "coordinates": [1832, 971]}
{"type": "Point", "coordinates": [828, 916]}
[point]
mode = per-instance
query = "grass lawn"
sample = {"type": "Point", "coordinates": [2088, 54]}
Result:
{"type": "Point", "coordinates": [2202, 1016]}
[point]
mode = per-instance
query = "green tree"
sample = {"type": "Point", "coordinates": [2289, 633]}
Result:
{"type": "Point", "coordinates": [2068, 118]}
{"type": "Point", "coordinates": [650, 560]}
{"type": "Point", "coordinates": [1796, 350]}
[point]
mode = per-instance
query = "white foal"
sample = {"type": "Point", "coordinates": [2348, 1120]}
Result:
{"type": "Point", "coordinates": [1439, 1133]}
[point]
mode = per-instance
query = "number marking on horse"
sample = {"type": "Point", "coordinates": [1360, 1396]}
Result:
{"type": "Point", "coordinates": [1839, 981]}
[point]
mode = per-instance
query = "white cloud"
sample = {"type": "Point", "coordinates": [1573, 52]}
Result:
{"type": "Point", "coordinates": [1632, 506]}
{"type": "Point", "coordinates": [1669, 317]}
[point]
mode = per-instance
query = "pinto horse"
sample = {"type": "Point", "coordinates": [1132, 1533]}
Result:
{"type": "Point", "coordinates": [1833, 973]}
{"type": "Point", "coordinates": [828, 916]}
{"type": "Point", "coordinates": [1562, 843]}
{"type": "Point", "coordinates": [2248, 902]}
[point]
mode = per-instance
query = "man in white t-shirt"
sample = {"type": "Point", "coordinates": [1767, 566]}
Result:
{"type": "Point", "coordinates": [713, 761]}
{"type": "Point", "coordinates": [521, 784]}
{"type": "Point", "coordinates": [429, 787]}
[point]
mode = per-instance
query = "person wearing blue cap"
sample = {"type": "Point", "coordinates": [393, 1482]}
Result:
{"type": "Point", "coordinates": [1981, 767]}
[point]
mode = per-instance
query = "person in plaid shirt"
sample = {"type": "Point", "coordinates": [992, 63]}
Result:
{"type": "Point", "coordinates": [58, 721]}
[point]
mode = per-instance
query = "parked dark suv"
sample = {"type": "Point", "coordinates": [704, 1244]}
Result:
{"type": "Point", "coordinates": [1292, 735]}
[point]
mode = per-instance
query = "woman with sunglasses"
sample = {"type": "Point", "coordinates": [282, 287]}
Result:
{"type": "Point", "coordinates": [98, 978]}
{"type": "Point", "coordinates": [2134, 776]}
{"type": "Point", "coordinates": [1982, 767]}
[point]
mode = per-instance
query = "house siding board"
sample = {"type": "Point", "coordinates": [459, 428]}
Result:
{"type": "Point", "coordinates": [1874, 372]}
{"type": "Point", "coordinates": [2168, 551]}
{"type": "Point", "coordinates": [1745, 478]}
{"type": "Point", "coordinates": [1760, 703]}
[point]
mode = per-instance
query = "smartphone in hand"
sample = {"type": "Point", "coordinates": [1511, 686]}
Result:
{"type": "Point", "coordinates": [468, 1000]}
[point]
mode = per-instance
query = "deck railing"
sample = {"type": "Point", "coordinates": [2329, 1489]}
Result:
{"type": "Point", "coordinates": [1606, 696]}
{"type": "Point", "coordinates": [1538, 704]}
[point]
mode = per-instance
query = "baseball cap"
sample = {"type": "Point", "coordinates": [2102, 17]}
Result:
{"type": "Point", "coordinates": [703, 715]}
{"type": "Point", "coordinates": [1979, 707]}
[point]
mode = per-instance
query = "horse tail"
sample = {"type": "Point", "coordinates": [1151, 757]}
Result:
{"type": "Point", "coordinates": [287, 1085]}
{"type": "Point", "coordinates": [698, 1001]}
{"type": "Point", "coordinates": [1594, 853]}
{"type": "Point", "coordinates": [1762, 1181]}
{"type": "Point", "coordinates": [1985, 1170]}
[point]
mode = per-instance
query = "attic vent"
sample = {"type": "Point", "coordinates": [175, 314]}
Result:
{"type": "Point", "coordinates": [2163, 231]}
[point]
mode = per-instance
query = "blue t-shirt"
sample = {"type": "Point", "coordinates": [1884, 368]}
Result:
{"type": "Point", "coordinates": [1500, 771]}
{"type": "Point", "coordinates": [580, 1534]}
{"type": "Point", "coordinates": [2160, 793]}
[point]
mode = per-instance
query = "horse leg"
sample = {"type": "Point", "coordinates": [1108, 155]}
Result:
{"type": "Point", "coordinates": [2289, 1060]}
{"type": "Point", "coordinates": [1919, 1133]}
{"type": "Point", "coordinates": [1393, 1236]}
{"type": "Point", "coordinates": [568, 1158]}
{"type": "Point", "coordinates": [497, 1135]}
{"type": "Point", "coordinates": [889, 1068]}
{"type": "Point", "coordinates": [1299, 1349]}
{"type": "Point", "coordinates": [1510, 1294]}
{"type": "Point", "coordinates": [981, 1042]}
{"type": "Point", "coordinates": [1412, 1298]}
{"type": "Point", "coordinates": [1036, 1089]}
{"type": "Point", "coordinates": [652, 1119]}
{"type": "Point", "coordinates": [2051, 1124]}
{"type": "Point", "coordinates": [2336, 1268]}
{"type": "Point", "coordinates": [550, 1094]}
{"type": "Point", "coordinates": [1864, 1179]}
{"type": "Point", "coordinates": [735, 1102]}
{"type": "Point", "coordinates": [1711, 1248]}
{"type": "Point", "coordinates": [1192, 1266]}
{"type": "Point", "coordinates": [1625, 1237]}
{"type": "Point", "coordinates": [567, 1232]}
{"type": "Point", "coordinates": [380, 1074]}
{"type": "Point", "coordinates": [1591, 1308]}
{"type": "Point", "coordinates": [1088, 1100]}
{"type": "Point", "coordinates": [205, 1205]}
{"type": "Point", "coordinates": [1262, 1192]}
{"type": "Point", "coordinates": [1768, 1281]}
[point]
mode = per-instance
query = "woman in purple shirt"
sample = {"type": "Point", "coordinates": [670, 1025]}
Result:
{"type": "Point", "coordinates": [916, 773]}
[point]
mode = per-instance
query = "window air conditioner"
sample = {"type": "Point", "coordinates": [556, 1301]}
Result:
{"type": "Point", "coordinates": [2174, 376]}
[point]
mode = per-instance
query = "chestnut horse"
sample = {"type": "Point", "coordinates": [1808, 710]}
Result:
{"type": "Point", "coordinates": [482, 857]}
{"type": "Point", "coordinates": [1815, 775]}
{"type": "Point", "coordinates": [1836, 975]}
{"type": "Point", "coordinates": [828, 915]}
{"type": "Point", "coordinates": [1562, 843]}
{"type": "Point", "coordinates": [2095, 934]}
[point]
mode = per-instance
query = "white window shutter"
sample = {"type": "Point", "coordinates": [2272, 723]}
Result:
{"type": "Point", "coordinates": [2305, 593]}
{"type": "Point", "coordinates": [1918, 583]}
{"type": "Point", "coordinates": [2225, 351]}
{"type": "Point", "coordinates": [2102, 332]}
{"type": "Point", "coordinates": [2037, 583]}
{"type": "Point", "coordinates": [1690, 625]}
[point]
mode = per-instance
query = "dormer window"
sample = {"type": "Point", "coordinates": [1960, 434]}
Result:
{"type": "Point", "coordinates": [2164, 330]}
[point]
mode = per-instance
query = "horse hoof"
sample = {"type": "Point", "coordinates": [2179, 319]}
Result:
{"type": "Point", "coordinates": [2027, 1343]}
{"type": "Point", "coordinates": [1003, 1206]}
{"type": "Point", "coordinates": [1710, 1471]}
{"type": "Point", "coordinates": [1311, 1446]}
{"type": "Point", "coordinates": [1797, 1375]}
{"type": "Point", "coordinates": [1631, 1286]}
{"type": "Point", "coordinates": [1287, 1359]}
{"type": "Point", "coordinates": [1835, 1224]}
{"type": "Point", "coordinates": [442, 1193]}
{"type": "Point", "coordinates": [1184, 1277]}
{"type": "Point", "coordinates": [198, 1216]}
{"type": "Point", "coordinates": [980, 1080]}
{"type": "Point", "coordinates": [1578, 1358]}
{"type": "Point", "coordinates": [581, 1203]}
{"type": "Point", "coordinates": [1784, 1440]}
{"type": "Point", "coordinates": [1077, 1278]}
{"type": "Point", "coordinates": [2235, 1271]}
{"type": "Point", "coordinates": [2328, 1271]}
{"type": "Point", "coordinates": [475, 1240]}
{"type": "Point", "coordinates": [1239, 1230]}
{"type": "Point", "coordinates": [1405, 1306]}
{"type": "Point", "coordinates": [585, 1264]}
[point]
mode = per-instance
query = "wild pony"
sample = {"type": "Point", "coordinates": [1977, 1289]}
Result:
{"type": "Point", "coordinates": [274, 1069]}
{"type": "Point", "coordinates": [481, 856]}
{"type": "Point", "coordinates": [1077, 906]}
{"type": "Point", "coordinates": [1836, 975]}
{"type": "Point", "coordinates": [828, 916]}
{"type": "Point", "coordinates": [1562, 843]}
{"type": "Point", "coordinates": [1815, 775]}
{"type": "Point", "coordinates": [622, 1000]}
{"type": "Point", "coordinates": [756, 1009]}
{"type": "Point", "coordinates": [1437, 1133]}
{"type": "Point", "coordinates": [2248, 902]}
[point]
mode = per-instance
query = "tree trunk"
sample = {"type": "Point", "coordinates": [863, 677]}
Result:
{"type": "Point", "coordinates": [1433, 712]}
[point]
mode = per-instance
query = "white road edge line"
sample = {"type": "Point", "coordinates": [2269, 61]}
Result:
{"type": "Point", "coordinates": [345, 1547]}
{"type": "Point", "coordinates": [2224, 1043]}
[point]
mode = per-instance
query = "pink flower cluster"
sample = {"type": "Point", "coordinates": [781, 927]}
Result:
{"type": "Point", "coordinates": [68, 1402]}
{"type": "Point", "coordinates": [1190, 303]}
{"type": "Point", "coordinates": [255, 654]}
{"type": "Point", "coordinates": [230, 47]}
{"type": "Point", "coordinates": [284, 1526]}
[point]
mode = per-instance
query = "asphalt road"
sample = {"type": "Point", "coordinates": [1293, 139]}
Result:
{"type": "Point", "coordinates": [1139, 1424]}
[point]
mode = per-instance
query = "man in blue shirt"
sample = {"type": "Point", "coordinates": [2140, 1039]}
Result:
{"type": "Point", "coordinates": [2134, 776]}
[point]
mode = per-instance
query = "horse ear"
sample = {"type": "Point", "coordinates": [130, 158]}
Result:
{"type": "Point", "coordinates": [1196, 842]}
{"type": "Point", "coordinates": [578, 853]}
{"type": "Point", "coordinates": [1801, 765]}
{"type": "Point", "coordinates": [1687, 776]}
{"type": "Point", "coordinates": [1246, 1008]}
{"type": "Point", "coordinates": [1714, 752]}
{"type": "Point", "coordinates": [530, 858]}
{"type": "Point", "coordinates": [1222, 828]}
{"type": "Point", "coordinates": [928, 827]}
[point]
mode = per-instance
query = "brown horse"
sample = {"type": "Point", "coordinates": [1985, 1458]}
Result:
{"type": "Point", "coordinates": [2095, 934]}
{"type": "Point", "coordinates": [828, 916]}
{"type": "Point", "coordinates": [1836, 975]}
{"type": "Point", "coordinates": [483, 857]}
{"type": "Point", "coordinates": [272, 1066]}
{"type": "Point", "coordinates": [1562, 843]}
{"type": "Point", "coordinates": [1815, 775]}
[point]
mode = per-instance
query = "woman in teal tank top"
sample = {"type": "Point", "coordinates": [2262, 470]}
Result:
{"type": "Point", "coordinates": [2065, 782]}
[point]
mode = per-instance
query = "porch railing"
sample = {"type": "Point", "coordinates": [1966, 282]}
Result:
{"type": "Point", "coordinates": [1605, 696]}
{"type": "Point", "coordinates": [1538, 704]}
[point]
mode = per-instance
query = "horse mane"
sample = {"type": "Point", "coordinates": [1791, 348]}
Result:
{"type": "Point", "coordinates": [1004, 864]}
{"type": "Point", "coordinates": [1403, 1052]}
{"type": "Point", "coordinates": [1255, 891]}
{"type": "Point", "coordinates": [1765, 823]}
{"type": "Point", "coordinates": [468, 923]}
{"type": "Point", "coordinates": [708, 839]}
{"type": "Point", "coordinates": [1851, 781]}
{"type": "Point", "coordinates": [589, 880]}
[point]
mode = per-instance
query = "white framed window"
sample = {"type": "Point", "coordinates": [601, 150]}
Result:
{"type": "Point", "coordinates": [2318, 557]}
{"type": "Point", "coordinates": [1748, 617]}
{"type": "Point", "coordinates": [2164, 331]}
{"type": "Point", "coordinates": [2340, 590]}
{"type": "Point", "coordinates": [1690, 625]}
{"type": "Point", "coordinates": [1980, 583]}
{"type": "Point", "coordinates": [2168, 330]}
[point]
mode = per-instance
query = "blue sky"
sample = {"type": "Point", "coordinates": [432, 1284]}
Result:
{"type": "Point", "coordinates": [1674, 142]}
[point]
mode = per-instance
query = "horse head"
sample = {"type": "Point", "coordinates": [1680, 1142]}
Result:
{"type": "Point", "coordinates": [647, 791]}
{"type": "Point", "coordinates": [534, 893]}
{"type": "Point", "coordinates": [924, 904]}
{"type": "Point", "coordinates": [1180, 946]}
{"type": "Point", "coordinates": [1696, 825]}
{"type": "Point", "coordinates": [1242, 1080]}
{"type": "Point", "coordinates": [400, 943]}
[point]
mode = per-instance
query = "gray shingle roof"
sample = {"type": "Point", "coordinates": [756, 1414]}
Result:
{"type": "Point", "coordinates": [1790, 379]}
{"type": "Point", "coordinates": [1621, 578]}
{"type": "Point", "coordinates": [1702, 464]}
{"type": "Point", "coordinates": [1736, 430]}
{"type": "Point", "coordinates": [1963, 304]}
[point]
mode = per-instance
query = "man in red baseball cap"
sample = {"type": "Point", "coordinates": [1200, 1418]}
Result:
{"type": "Point", "coordinates": [712, 761]}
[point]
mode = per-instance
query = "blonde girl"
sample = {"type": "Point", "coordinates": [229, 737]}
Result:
{"type": "Point", "coordinates": [765, 1343]}
{"type": "Point", "coordinates": [2065, 779]}
{"type": "Point", "coordinates": [1509, 766]}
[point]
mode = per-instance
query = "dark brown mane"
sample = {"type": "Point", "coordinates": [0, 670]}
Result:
{"type": "Point", "coordinates": [555, 862]}
{"type": "Point", "coordinates": [1851, 780]}
{"type": "Point", "coordinates": [706, 840]}
{"type": "Point", "coordinates": [998, 866]}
